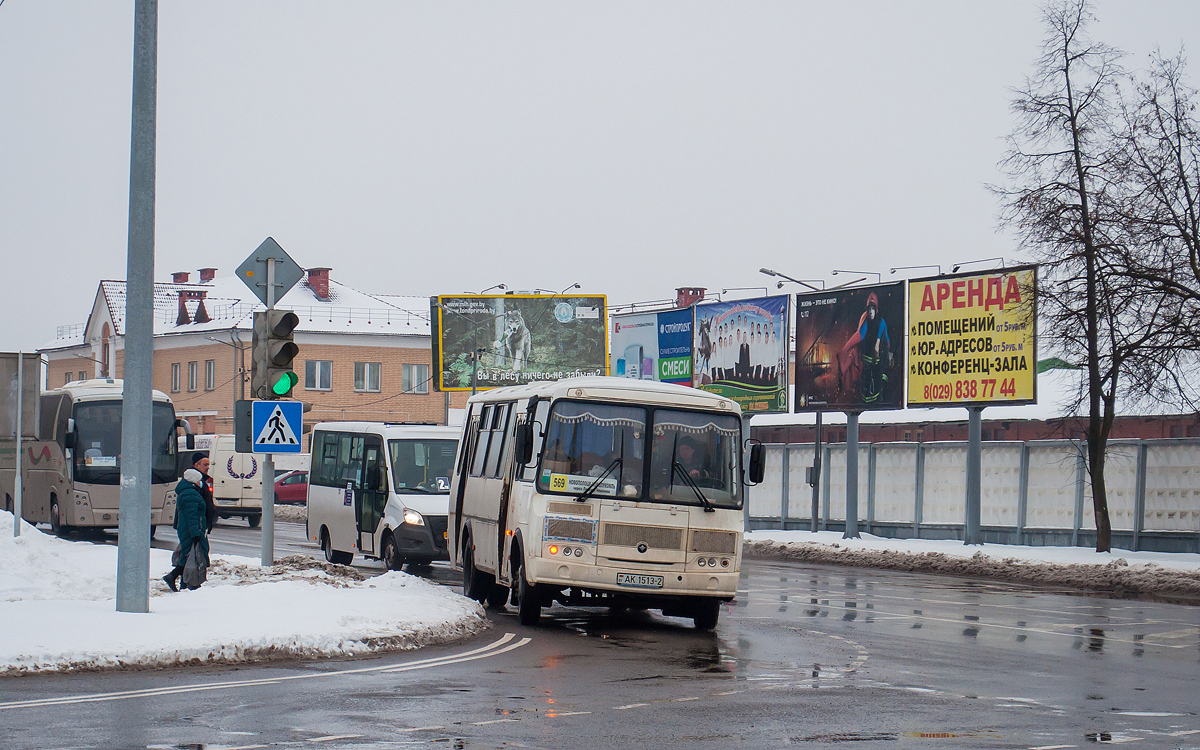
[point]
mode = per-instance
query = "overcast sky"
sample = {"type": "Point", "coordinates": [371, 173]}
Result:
{"type": "Point", "coordinates": [442, 147]}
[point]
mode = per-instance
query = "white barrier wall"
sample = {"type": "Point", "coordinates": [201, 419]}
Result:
{"type": "Point", "coordinates": [1153, 485]}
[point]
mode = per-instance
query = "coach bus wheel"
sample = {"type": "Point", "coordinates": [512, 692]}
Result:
{"type": "Point", "coordinates": [529, 604]}
{"type": "Point", "coordinates": [391, 552]}
{"type": "Point", "coordinates": [705, 613]}
{"type": "Point", "coordinates": [56, 524]}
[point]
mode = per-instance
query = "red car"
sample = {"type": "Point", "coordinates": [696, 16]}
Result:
{"type": "Point", "coordinates": [292, 488]}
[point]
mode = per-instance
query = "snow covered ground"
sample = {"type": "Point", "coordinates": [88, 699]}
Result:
{"type": "Point", "coordinates": [1156, 575]}
{"type": "Point", "coordinates": [58, 612]}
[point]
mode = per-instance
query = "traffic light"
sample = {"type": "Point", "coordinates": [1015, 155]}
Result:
{"type": "Point", "coordinates": [271, 374]}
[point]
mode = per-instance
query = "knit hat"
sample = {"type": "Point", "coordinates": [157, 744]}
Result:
{"type": "Point", "coordinates": [198, 456]}
{"type": "Point", "coordinates": [193, 476]}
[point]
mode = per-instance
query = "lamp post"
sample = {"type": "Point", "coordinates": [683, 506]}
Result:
{"type": "Point", "coordinates": [878, 276]}
{"type": "Point", "coordinates": [927, 265]}
{"type": "Point", "coordinates": [972, 262]}
{"type": "Point", "coordinates": [769, 272]}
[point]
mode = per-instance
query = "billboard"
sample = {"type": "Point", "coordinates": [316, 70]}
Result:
{"type": "Point", "coordinates": [653, 346]}
{"type": "Point", "coordinates": [973, 339]}
{"type": "Point", "coordinates": [31, 394]}
{"type": "Point", "coordinates": [740, 350]}
{"type": "Point", "coordinates": [519, 338]}
{"type": "Point", "coordinates": [850, 349]}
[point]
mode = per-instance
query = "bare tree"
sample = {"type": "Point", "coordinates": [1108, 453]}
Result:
{"type": "Point", "coordinates": [1060, 200]}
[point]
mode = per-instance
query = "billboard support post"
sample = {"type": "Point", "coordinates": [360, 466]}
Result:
{"type": "Point", "coordinates": [17, 509]}
{"type": "Point", "coordinates": [974, 474]}
{"type": "Point", "coordinates": [816, 479]}
{"type": "Point", "coordinates": [851, 476]}
{"type": "Point", "coordinates": [267, 542]}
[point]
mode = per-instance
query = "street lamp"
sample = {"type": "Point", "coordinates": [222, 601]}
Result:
{"type": "Point", "coordinates": [927, 265]}
{"type": "Point", "coordinates": [878, 276]}
{"type": "Point", "coordinates": [971, 262]}
{"type": "Point", "coordinates": [745, 289]}
{"type": "Point", "coordinates": [490, 288]}
{"type": "Point", "coordinates": [779, 285]}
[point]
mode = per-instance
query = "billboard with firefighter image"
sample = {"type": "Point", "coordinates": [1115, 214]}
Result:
{"type": "Point", "coordinates": [740, 350]}
{"type": "Point", "coordinates": [487, 341]}
{"type": "Point", "coordinates": [850, 349]}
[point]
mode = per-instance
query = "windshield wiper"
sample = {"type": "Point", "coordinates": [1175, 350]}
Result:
{"type": "Point", "coordinates": [678, 468]}
{"type": "Point", "coordinates": [418, 490]}
{"type": "Point", "coordinates": [596, 484]}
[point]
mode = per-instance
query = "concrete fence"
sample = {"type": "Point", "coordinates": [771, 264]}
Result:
{"type": "Point", "coordinates": [1036, 493]}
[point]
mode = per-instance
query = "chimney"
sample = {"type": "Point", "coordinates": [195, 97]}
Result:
{"type": "Point", "coordinates": [318, 281]}
{"type": "Point", "coordinates": [207, 274]}
{"type": "Point", "coordinates": [686, 296]}
{"type": "Point", "coordinates": [183, 318]}
{"type": "Point", "coordinates": [180, 277]}
{"type": "Point", "coordinates": [201, 314]}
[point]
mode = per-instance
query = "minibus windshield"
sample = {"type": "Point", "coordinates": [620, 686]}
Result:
{"type": "Point", "coordinates": [422, 467]}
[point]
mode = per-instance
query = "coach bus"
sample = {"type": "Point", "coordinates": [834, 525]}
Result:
{"type": "Point", "coordinates": [380, 489]}
{"type": "Point", "coordinates": [601, 491]}
{"type": "Point", "coordinates": [72, 475]}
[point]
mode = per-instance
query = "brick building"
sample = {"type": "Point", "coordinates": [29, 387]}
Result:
{"type": "Point", "coordinates": [362, 356]}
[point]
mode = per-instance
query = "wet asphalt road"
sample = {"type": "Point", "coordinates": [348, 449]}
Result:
{"type": "Point", "coordinates": [806, 656]}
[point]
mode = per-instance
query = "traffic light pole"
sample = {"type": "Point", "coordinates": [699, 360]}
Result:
{"type": "Point", "coordinates": [268, 481]}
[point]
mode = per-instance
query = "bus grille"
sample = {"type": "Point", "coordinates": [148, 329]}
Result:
{"type": "Point", "coordinates": [569, 509]}
{"type": "Point", "coordinates": [655, 537]}
{"type": "Point", "coordinates": [714, 542]}
{"type": "Point", "coordinates": [437, 529]}
{"type": "Point", "coordinates": [568, 530]}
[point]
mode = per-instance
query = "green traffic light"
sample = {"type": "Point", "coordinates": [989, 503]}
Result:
{"type": "Point", "coordinates": [287, 381]}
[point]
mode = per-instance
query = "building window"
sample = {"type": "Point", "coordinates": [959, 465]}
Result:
{"type": "Point", "coordinates": [68, 381]}
{"type": "Point", "coordinates": [210, 374]}
{"type": "Point", "coordinates": [415, 379]}
{"type": "Point", "coordinates": [174, 377]}
{"type": "Point", "coordinates": [193, 370]}
{"type": "Point", "coordinates": [82, 375]}
{"type": "Point", "coordinates": [318, 374]}
{"type": "Point", "coordinates": [366, 376]}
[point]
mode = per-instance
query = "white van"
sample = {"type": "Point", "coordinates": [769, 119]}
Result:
{"type": "Point", "coordinates": [236, 477]}
{"type": "Point", "coordinates": [380, 489]}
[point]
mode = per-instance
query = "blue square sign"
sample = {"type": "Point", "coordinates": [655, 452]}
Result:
{"type": "Point", "coordinates": [276, 426]}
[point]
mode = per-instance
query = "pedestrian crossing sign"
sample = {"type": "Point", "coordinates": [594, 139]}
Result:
{"type": "Point", "coordinates": [277, 426]}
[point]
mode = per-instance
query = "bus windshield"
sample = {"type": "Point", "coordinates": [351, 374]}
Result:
{"type": "Point", "coordinates": [98, 442]}
{"type": "Point", "coordinates": [422, 466]}
{"type": "Point", "coordinates": [695, 454]}
{"type": "Point", "coordinates": [594, 446]}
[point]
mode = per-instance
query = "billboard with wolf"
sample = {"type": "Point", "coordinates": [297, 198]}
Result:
{"type": "Point", "coordinates": [510, 339]}
{"type": "Point", "coordinates": [740, 351]}
{"type": "Point", "coordinates": [850, 349]}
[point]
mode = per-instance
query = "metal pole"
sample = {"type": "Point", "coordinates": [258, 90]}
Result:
{"type": "Point", "coordinates": [851, 476]}
{"type": "Point", "coordinates": [787, 480]}
{"type": "Point", "coordinates": [268, 478]}
{"type": "Point", "coordinates": [17, 507]}
{"type": "Point", "coordinates": [974, 473]}
{"type": "Point", "coordinates": [133, 545]}
{"type": "Point", "coordinates": [816, 478]}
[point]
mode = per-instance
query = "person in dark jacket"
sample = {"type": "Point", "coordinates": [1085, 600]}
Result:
{"type": "Point", "coordinates": [190, 521]}
{"type": "Point", "coordinates": [201, 464]}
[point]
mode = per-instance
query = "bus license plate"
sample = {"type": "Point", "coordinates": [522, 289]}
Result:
{"type": "Point", "coordinates": [640, 581]}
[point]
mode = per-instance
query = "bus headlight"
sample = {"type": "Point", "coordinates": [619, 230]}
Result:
{"type": "Point", "coordinates": [413, 518]}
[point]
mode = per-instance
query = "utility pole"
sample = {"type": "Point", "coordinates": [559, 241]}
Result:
{"type": "Point", "coordinates": [133, 546]}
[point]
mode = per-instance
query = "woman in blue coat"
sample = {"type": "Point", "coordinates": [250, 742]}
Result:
{"type": "Point", "coordinates": [191, 521]}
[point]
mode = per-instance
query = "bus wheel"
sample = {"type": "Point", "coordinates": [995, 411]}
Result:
{"type": "Point", "coordinates": [705, 613]}
{"type": "Point", "coordinates": [474, 585]}
{"type": "Point", "coordinates": [497, 596]}
{"type": "Point", "coordinates": [391, 552]}
{"type": "Point", "coordinates": [254, 520]}
{"type": "Point", "coordinates": [8, 503]}
{"type": "Point", "coordinates": [153, 529]}
{"type": "Point", "coordinates": [56, 524]}
{"type": "Point", "coordinates": [529, 603]}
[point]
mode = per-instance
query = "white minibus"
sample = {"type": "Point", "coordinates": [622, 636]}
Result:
{"type": "Point", "coordinates": [601, 491]}
{"type": "Point", "coordinates": [380, 489]}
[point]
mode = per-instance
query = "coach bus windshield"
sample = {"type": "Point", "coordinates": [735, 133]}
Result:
{"type": "Point", "coordinates": [98, 442]}
{"type": "Point", "coordinates": [596, 447]}
{"type": "Point", "coordinates": [694, 458]}
{"type": "Point", "coordinates": [422, 467]}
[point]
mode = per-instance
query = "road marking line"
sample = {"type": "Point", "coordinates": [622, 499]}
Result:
{"type": "Point", "coordinates": [683, 700]}
{"type": "Point", "coordinates": [331, 737]}
{"type": "Point", "coordinates": [1052, 747]}
{"type": "Point", "coordinates": [419, 729]}
{"type": "Point", "coordinates": [239, 747]}
{"type": "Point", "coordinates": [567, 713]}
{"type": "Point", "coordinates": [1184, 733]}
{"type": "Point", "coordinates": [729, 692]}
{"type": "Point", "coordinates": [493, 721]}
{"type": "Point", "coordinates": [631, 705]}
{"type": "Point", "coordinates": [478, 653]}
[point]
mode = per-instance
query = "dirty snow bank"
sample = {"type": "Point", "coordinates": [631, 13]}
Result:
{"type": "Point", "coordinates": [57, 606]}
{"type": "Point", "coordinates": [1121, 573]}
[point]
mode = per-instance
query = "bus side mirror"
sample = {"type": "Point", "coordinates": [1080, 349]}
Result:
{"type": "Point", "coordinates": [523, 443]}
{"type": "Point", "coordinates": [758, 463]}
{"type": "Point", "coordinates": [69, 440]}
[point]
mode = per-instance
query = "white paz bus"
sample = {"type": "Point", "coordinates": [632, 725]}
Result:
{"type": "Point", "coordinates": [601, 491]}
{"type": "Point", "coordinates": [72, 476]}
{"type": "Point", "coordinates": [380, 490]}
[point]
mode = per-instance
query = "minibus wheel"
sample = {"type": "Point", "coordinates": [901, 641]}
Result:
{"type": "Point", "coordinates": [497, 596]}
{"type": "Point", "coordinates": [529, 603]}
{"type": "Point", "coordinates": [254, 519]}
{"type": "Point", "coordinates": [705, 613]}
{"type": "Point", "coordinates": [474, 587]}
{"type": "Point", "coordinates": [332, 555]}
{"type": "Point", "coordinates": [391, 552]}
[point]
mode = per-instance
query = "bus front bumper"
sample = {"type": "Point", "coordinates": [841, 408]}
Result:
{"type": "Point", "coordinates": [722, 585]}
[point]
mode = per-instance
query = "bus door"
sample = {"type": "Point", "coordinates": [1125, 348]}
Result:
{"type": "Point", "coordinates": [372, 495]}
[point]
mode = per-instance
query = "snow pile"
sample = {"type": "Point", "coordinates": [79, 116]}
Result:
{"type": "Point", "coordinates": [291, 513]}
{"type": "Point", "coordinates": [1150, 575]}
{"type": "Point", "coordinates": [57, 606]}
